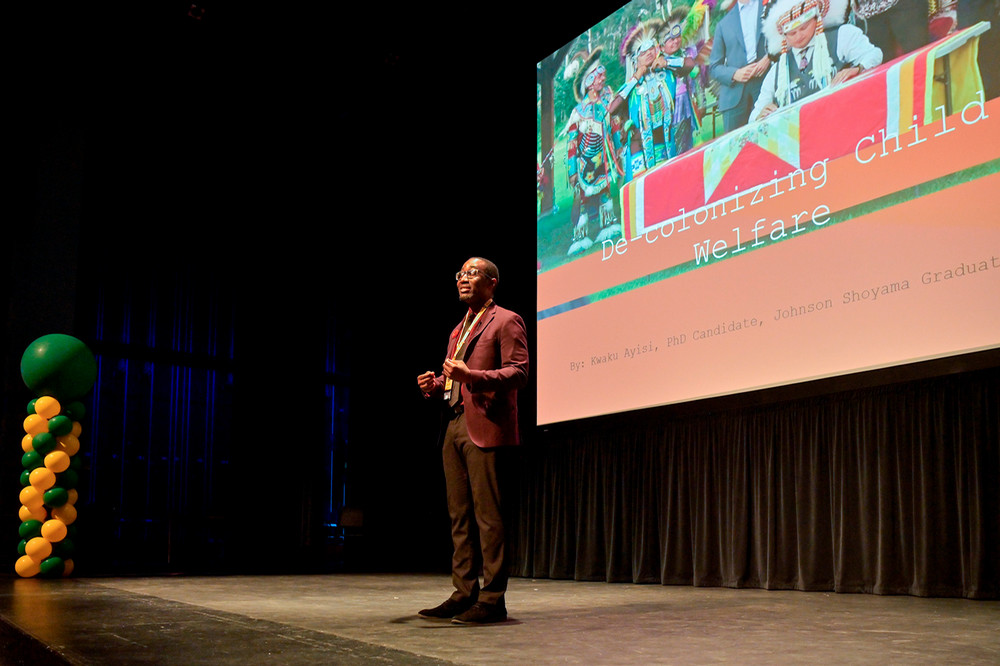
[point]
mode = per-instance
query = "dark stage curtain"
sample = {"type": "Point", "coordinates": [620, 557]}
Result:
{"type": "Point", "coordinates": [889, 490]}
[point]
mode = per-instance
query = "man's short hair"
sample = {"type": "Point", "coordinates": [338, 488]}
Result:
{"type": "Point", "coordinates": [489, 268]}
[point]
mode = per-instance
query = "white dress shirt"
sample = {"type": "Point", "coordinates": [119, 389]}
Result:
{"type": "Point", "coordinates": [748, 21]}
{"type": "Point", "coordinates": [853, 48]}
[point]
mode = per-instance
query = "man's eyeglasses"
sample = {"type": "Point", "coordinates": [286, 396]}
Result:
{"type": "Point", "coordinates": [472, 272]}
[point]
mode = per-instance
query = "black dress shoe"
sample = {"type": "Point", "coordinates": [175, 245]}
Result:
{"type": "Point", "coordinates": [482, 613]}
{"type": "Point", "coordinates": [450, 608]}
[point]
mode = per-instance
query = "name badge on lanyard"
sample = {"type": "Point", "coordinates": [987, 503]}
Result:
{"type": "Point", "coordinates": [448, 382]}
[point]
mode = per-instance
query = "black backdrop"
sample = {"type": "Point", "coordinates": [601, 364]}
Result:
{"type": "Point", "coordinates": [315, 176]}
{"type": "Point", "coordinates": [316, 172]}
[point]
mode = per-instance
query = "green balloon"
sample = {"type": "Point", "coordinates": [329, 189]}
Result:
{"type": "Point", "coordinates": [68, 479]}
{"type": "Point", "coordinates": [75, 410]}
{"type": "Point", "coordinates": [44, 442]}
{"type": "Point", "coordinates": [31, 406]}
{"type": "Point", "coordinates": [25, 478]}
{"type": "Point", "coordinates": [52, 566]}
{"type": "Point", "coordinates": [55, 496]}
{"type": "Point", "coordinates": [60, 425]}
{"type": "Point", "coordinates": [29, 529]}
{"type": "Point", "coordinates": [22, 548]}
{"type": "Point", "coordinates": [32, 460]}
{"type": "Point", "coordinates": [64, 549]}
{"type": "Point", "coordinates": [60, 366]}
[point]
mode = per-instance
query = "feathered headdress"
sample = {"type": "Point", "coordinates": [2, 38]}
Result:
{"type": "Point", "coordinates": [640, 38]}
{"type": "Point", "coordinates": [690, 20]}
{"type": "Point", "coordinates": [592, 62]}
{"type": "Point", "coordinates": [780, 16]}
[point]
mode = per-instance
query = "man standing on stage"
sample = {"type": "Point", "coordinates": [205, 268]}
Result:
{"type": "Point", "coordinates": [486, 363]}
{"type": "Point", "coordinates": [738, 61]}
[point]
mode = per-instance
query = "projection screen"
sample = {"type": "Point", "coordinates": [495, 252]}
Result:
{"type": "Point", "coordinates": [854, 227]}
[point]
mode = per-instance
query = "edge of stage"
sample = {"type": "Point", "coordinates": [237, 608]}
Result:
{"type": "Point", "coordinates": [360, 618]}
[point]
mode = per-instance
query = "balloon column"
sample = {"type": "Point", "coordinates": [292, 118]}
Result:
{"type": "Point", "coordinates": [59, 370]}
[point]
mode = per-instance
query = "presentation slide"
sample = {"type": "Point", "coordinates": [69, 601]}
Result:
{"type": "Point", "coordinates": [849, 224]}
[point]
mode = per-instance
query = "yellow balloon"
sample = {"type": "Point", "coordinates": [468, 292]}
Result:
{"type": "Point", "coordinates": [26, 513]}
{"type": "Point", "coordinates": [26, 444]}
{"type": "Point", "coordinates": [65, 513]}
{"type": "Point", "coordinates": [68, 567]}
{"type": "Point", "coordinates": [26, 567]}
{"type": "Point", "coordinates": [42, 478]}
{"type": "Point", "coordinates": [68, 443]}
{"type": "Point", "coordinates": [72, 496]}
{"type": "Point", "coordinates": [57, 461]}
{"type": "Point", "coordinates": [54, 530]}
{"type": "Point", "coordinates": [31, 497]}
{"type": "Point", "coordinates": [36, 424]}
{"type": "Point", "coordinates": [77, 429]}
{"type": "Point", "coordinates": [38, 548]}
{"type": "Point", "coordinates": [47, 407]}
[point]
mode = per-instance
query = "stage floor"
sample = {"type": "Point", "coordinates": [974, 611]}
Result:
{"type": "Point", "coordinates": [366, 618]}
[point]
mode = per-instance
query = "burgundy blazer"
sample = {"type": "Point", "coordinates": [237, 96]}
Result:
{"type": "Point", "coordinates": [496, 352]}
